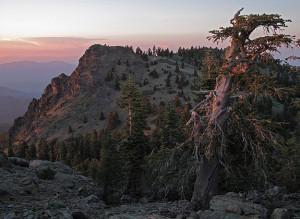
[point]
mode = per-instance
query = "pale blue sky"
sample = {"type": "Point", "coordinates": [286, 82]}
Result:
{"type": "Point", "coordinates": [166, 23]}
{"type": "Point", "coordinates": [100, 18]}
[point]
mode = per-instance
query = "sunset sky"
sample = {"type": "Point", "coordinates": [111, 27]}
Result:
{"type": "Point", "coordinates": [43, 30]}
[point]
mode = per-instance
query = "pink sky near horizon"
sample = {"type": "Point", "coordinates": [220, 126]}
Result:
{"type": "Point", "coordinates": [70, 49]}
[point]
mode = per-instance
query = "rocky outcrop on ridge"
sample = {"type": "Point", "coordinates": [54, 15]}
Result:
{"type": "Point", "coordinates": [92, 88]}
{"type": "Point", "coordinates": [66, 99]}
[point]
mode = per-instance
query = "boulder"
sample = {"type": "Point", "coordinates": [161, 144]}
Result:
{"type": "Point", "coordinates": [276, 190]}
{"type": "Point", "coordinates": [126, 198]}
{"type": "Point", "coordinates": [57, 204]}
{"type": "Point", "coordinates": [234, 209]}
{"type": "Point", "coordinates": [84, 191]}
{"type": "Point", "coordinates": [36, 163]}
{"type": "Point", "coordinates": [91, 199]}
{"type": "Point", "coordinates": [18, 161]}
{"type": "Point", "coordinates": [65, 215]}
{"type": "Point", "coordinates": [280, 213]}
{"type": "Point", "coordinates": [232, 206]}
{"type": "Point", "coordinates": [27, 181]}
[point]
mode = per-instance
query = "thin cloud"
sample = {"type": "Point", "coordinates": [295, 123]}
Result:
{"type": "Point", "coordinates": [45, 48]}
{"type": "Point", "coordinates": [20, 40]}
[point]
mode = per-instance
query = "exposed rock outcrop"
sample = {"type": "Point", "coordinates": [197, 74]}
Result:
{"type": "Point", "coordinates": [18, 161]}
{"type": "Point", "coordinates": [66, 99]}
{"type": "Point", "coordinates": [91, 89]}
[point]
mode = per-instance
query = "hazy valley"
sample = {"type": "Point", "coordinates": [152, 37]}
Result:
{"type": "Point", "coordinates": [22, 81]}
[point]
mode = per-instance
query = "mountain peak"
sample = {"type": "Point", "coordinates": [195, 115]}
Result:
{"type": "Point", "coordinates": [86, 91]}
{"type": "Point", "coordinates": [91, 89]}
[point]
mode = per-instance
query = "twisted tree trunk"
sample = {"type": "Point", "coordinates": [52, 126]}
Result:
{"type": "Point", "coordinates": [206, 184]}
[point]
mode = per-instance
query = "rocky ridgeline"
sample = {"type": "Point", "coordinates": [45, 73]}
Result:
{"type": "Point", "coordinates": [66, 99]}
{"type": "Point", "coordinates": [71, 195]}
{"type": "Point", "coordinates": [92, 88]}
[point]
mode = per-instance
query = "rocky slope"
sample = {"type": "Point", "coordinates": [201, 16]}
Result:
{"type": "Point", "coordinates": [70, 195]}
{"type": "Point", "coordinates": [87, 91]}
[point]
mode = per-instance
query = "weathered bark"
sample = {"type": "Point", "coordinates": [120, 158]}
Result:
{"type": "Point", "coordinates": [206, 184]}
{"type": "Point", "coordinates": [221, 108]}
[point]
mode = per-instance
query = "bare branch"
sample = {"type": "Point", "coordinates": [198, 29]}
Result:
{"type": "Point", "coordinates": [204, 91]}
{"type": "Point", "coordinates": [236, 15]}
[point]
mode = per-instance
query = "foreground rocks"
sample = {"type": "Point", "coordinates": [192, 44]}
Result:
{"type": "Point", "coordinates": [24, 195]}
{"type": "Point", "coordinates": [71, 195]}
{"type": "Point", "coordinates": [68, 195]}
{"type": "Point", "coordinates": [232, 206]}
{"type": "Point", "coordinates": [240, 206]}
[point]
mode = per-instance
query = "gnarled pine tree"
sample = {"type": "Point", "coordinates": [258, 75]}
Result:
{"type": "Point", "coordinates": [238, 73]}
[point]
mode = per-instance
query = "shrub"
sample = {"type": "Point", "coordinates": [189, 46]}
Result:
{"type": "Point", "coordinates": [171, 91]}
{"type": "Point", "coordinates": [46, 173]}
{"type": "Point", "coordinates": [154, 74]}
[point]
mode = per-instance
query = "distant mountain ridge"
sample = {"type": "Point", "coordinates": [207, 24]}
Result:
{"type": "Point", "coordinates": [13, 104]}
{"type": "Point", "coordinates": [4, 91]}
{"type": "Point", "coordinates": [29, 76]}
{"type": "Point", "coordinates": [22, 81]}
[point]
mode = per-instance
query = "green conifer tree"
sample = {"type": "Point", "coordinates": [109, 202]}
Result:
{"type": "Point", "coordinates": [177, 101]}
{"type": "Point", "coordinates": [21, 149]}
{"type": "Point", "coordinates": [177, 69]}
{"type": "Point", "coordinates": [70, 130]}
{"type": "Point", "coordinates": [10, 152]}
{"type": "Point", "coordinates": [112, 120]}
{"type": "Point", "coordinates": [84, 119]}
{"type": "Point", "coordinates": [209, 72]}
{"type": "Point", "coordinates": [134, 145]}
{"type": "Point", "coordinates": [110, 173]}
{"type": "Point", "coordinates": [124, 78]}
{"type": "Point", "coordinates": [101, 115]}
{"type": "Point", "coordinates": [31, 152]}
{"type": "Point", "coordinates": [177, 79]}
{"type": "Point", "coordinates": [117, 84]}
{"type": "Point", "coordinates": [171, 129]}
{"type": "Point", "coordinates": [43, 149]}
